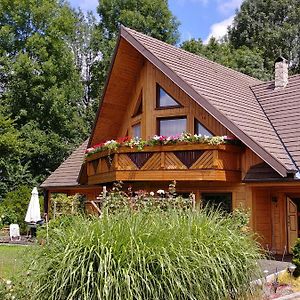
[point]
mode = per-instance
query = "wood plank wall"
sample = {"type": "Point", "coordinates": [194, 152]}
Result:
{"type": "Point", "coordinates": [146, 82]}
{"type": "Point", "coordinates": [262, 216]}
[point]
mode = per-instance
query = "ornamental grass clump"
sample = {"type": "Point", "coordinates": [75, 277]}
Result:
{"type": "Point", "coordinates": [153, 255]}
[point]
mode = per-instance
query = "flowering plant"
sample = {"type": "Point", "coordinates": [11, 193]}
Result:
{"type": "Point", "coordinates": [157, 140]}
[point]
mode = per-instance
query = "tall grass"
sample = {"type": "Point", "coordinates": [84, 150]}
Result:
{"type": "Point", "coordinates": [154, 255]}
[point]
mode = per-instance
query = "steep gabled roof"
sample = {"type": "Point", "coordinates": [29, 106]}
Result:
{"type": "Point", "coordinates": [283, 111]}
{"type": "Point", "coordinates": [66, 174]}
{"type": "Point", "coordinates": [223, 92]}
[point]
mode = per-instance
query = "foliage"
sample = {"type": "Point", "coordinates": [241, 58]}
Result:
{"type": "Point", "coordinates": [14, 206]}
{"type": "Point", "coordinates": [242, 217]}
{"type": "Point", "coordinates": [63, 205]}
{"type": "Point", "coordinates": [296, 257]}
{"type": "Point", "coordinates": [54, 225]}
{"type": "Point", "coordinates": [13, 170]}
{"type": "Point", "coordinates": [152, 17]}
{"type": "Point", "coordinates": [86, 58]}
{"type": "Point", "coordinates": [271, 26]}
{"type": "Point", "coordinates": [147, 255]}
{"type": "Point", "coordinates": [242, 59]}
{"type": "Point", "coordinates": [118, 200]}
{"type": "Point", "coordinates": [139, 143]}
{"type": "Point", "coordinates": [40, 88]}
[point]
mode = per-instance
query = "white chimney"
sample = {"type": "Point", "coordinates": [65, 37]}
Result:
{"type": "Point", "coordinates": [281, 73]}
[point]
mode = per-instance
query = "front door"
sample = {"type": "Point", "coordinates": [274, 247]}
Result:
{"type": "Point", "coordinates": [292, 223]}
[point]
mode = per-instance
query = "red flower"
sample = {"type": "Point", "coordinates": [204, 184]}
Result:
{"type": "Point", "coordinates": [98, 145]}
{"type": "Point", "coordinates": [124, 139]}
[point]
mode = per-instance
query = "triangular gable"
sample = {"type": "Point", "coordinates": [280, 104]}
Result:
{"type": "Point", "coordinates": [222, 92]}
{"type": "Point", "coordinates": [232, 104]}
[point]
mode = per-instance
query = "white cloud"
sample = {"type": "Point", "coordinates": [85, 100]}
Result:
{"type": "Point", "coordinates": [218, 30]}
{"type": "Point", "coordinates": [228, 6]}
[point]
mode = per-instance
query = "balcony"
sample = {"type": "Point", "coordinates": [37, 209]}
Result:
{"type": "Point", "coordinates": [181, 162]}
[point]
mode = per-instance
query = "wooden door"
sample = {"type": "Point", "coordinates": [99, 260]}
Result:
{"type": "Point", "coordinates": [292, 223]}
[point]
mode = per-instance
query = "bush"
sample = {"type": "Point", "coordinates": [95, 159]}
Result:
{"type": "Point", "coordinates": [118, 200]}
{"type": "Point", "coordinates": [296, 257]}
{"type": "Point", "coordinates": [63, 205]}
{"type": "Point", "coordinates": [14, 206]}
{"type": "Point", "coordinates": [147, 255]}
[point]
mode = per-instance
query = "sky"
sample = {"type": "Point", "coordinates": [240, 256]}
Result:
{"type": "Point", "coordinates": [198, 18]}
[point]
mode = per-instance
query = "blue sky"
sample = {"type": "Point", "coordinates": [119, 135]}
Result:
{"type": "Point", "coordinates": [198, 18]}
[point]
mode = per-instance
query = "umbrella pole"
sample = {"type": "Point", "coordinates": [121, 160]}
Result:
{"type": "Point", "coordinates": [47, 228]}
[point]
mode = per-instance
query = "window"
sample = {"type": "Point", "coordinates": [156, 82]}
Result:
{"type": "Point", "coordinates": [136, 130]}
{"type": "Point", "coordinates": [164, 100]}
{"type": "Point", "coordinates": [171, 126]}
{"type": "Point", "coordinates": [139, 106]}
{"type": "Point", "coordinates": [222, 201]}
{"type": "Point", "coordinates": [200, 129]}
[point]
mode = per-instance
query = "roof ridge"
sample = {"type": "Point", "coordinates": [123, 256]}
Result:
{"type": "Point", "coordinates": [279, 138]}
{"type": "Point", "coordinates": [198, 56]}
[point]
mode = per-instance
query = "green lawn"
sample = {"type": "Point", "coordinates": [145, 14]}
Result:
{"type": "Point", "coordinates": [12, 260]}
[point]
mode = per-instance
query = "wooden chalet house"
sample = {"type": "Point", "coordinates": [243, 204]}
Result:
{"type": "Point", "coordinates": [157, 89]}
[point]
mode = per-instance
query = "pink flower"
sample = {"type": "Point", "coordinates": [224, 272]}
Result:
{"type": "Point", "coordinates": [88, 150]}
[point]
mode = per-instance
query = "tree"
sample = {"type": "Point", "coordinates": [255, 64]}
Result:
{"type": "Point", "coordinates": [151, 17]}
{"type": "Point", "coordinates": [85, 55]}
{"type": "Point", "coordinates": [270, 26]}
{"type": "Point", "coordinates": [243, 59]}
{"type": "Point", "coordinates": [13, 170]}
{"type": "Point", "coordinates": [40, 85]}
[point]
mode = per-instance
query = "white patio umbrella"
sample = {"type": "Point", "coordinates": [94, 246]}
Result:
{"type": "Point", "coordinates": [33, 214]}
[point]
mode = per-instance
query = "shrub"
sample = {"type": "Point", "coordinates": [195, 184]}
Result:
{"type": "Point", "coordinates": [118, 200]}
{"type": "Point", "coordinates": [296, 257]}
{"type": "Point", "coordinates": [147, 255]}
{"type": "Point", "coordinates": [14, 206]}
{"type": "Point", "coordinates": [63, 205]}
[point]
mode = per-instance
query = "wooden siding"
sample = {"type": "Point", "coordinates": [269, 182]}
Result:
{"type": "Point", "coordinates": [148, 77]}
{"type": "Point", "coordinates": [262, 217]}
{"type": "Point", "coordinates": [122, 80]}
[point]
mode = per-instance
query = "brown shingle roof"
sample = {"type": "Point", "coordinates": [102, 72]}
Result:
{"type": "Point", "coordinates": [67, 173]}
{"type": "Point", "coordinates": [262, 172]}
{"type": "Point", "coordinates": [223, 92]}
{"type": "Point", "coordinates": [283, 110]}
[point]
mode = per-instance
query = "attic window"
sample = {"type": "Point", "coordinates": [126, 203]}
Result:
{"type": "Point", "coordinates": [164, 100]}
{"type": "Point", "coordinates": [201, 129]}
{"type": "Point", "coordinates": [136, 130]}
{"type": "Point", "coordinates": [139, 106]}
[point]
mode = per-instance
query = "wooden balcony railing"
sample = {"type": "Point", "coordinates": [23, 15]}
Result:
{"type": "Point", "coordinates": [182, 162]}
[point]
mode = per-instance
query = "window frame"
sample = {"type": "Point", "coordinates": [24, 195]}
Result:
{"type": "Point", "coordinates": [169, 118]}
{"type": "Point", "coordinates": [158, 107]}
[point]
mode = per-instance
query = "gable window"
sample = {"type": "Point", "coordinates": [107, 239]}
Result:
{"type": "Point", "coordinates": [222, 201]}
{"type": "Point", "coordinates": [171, 126]}
{"type": "Point", "coordinates": [139, 106]}
{"type": "Point", "coordinates": [164, 100]}
{"type": "Point", "coordinates": [136, 130]}
{"type": "Point", "coordinates": [201, 129]}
